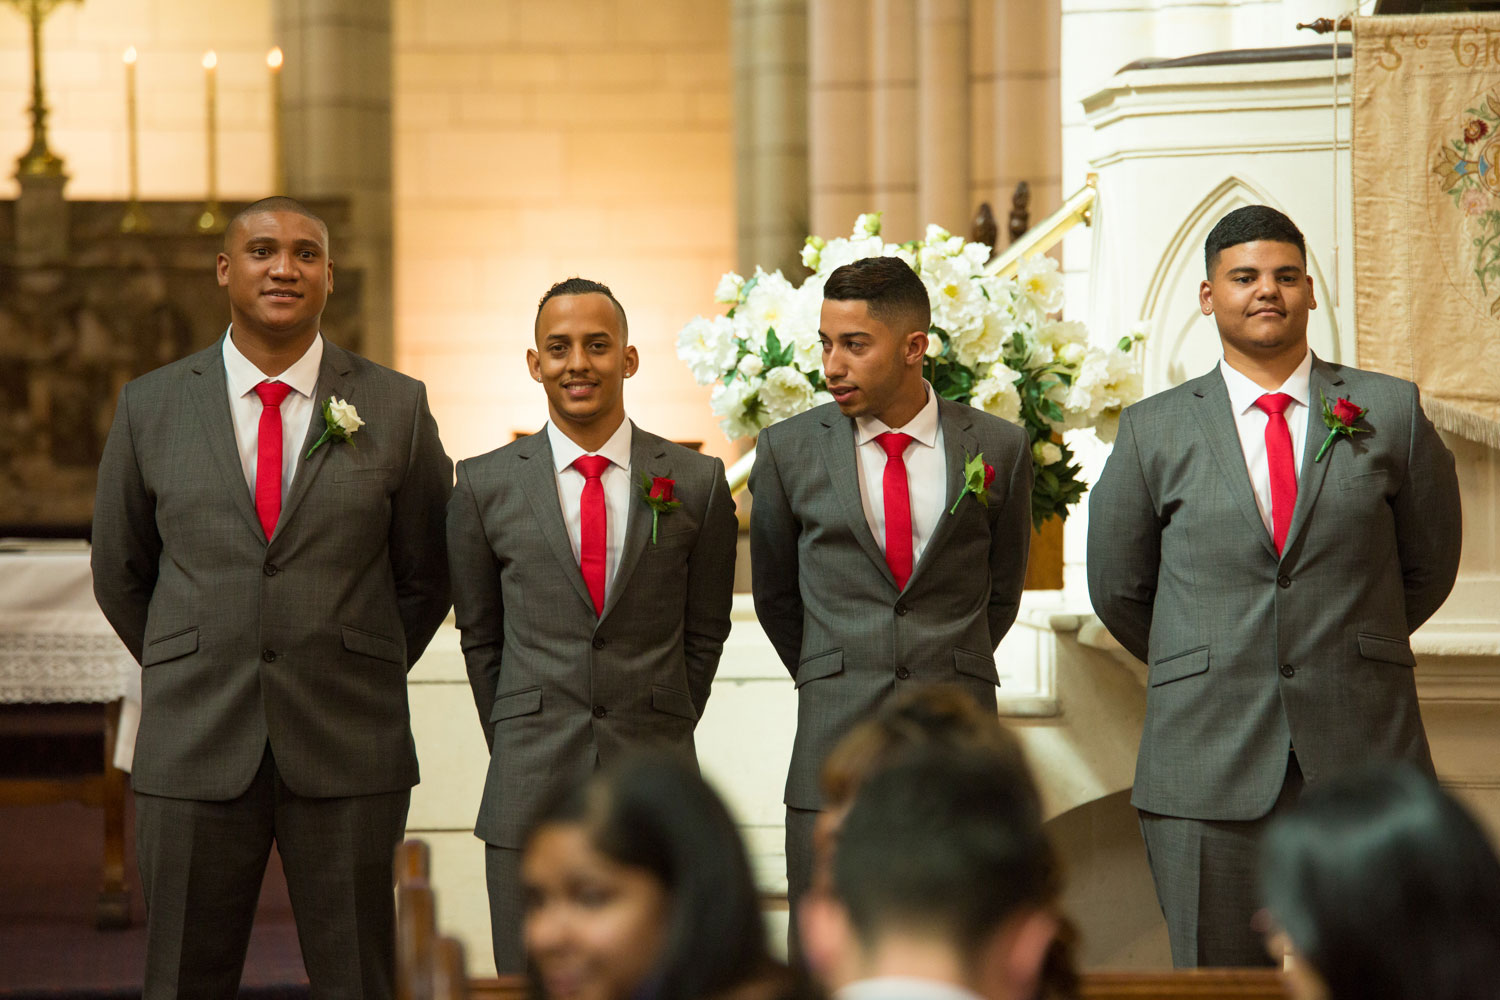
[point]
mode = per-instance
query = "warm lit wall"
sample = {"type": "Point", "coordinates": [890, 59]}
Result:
{"type": "Point", "coordinates": [85, 80]}
{"type": "Point", "coordinates": [539, 139]}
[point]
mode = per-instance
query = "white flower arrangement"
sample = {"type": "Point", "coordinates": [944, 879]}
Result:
{"type": "Point", "coordinates": [995, 343]}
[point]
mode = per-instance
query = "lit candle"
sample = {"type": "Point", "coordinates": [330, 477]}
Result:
{"type": "Point", "coordinates": [278, 170]}
{"type": "Point", "coordinates": [130, 126]}
{"type": "Point", "coordinates": [211, 92]}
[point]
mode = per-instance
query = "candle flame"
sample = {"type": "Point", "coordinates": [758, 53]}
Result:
{"type": "Point", "coordinates": [210, 59]}
{"type": "Point", "coordinates": [273, 58]}
{"type": "Point", "coordinates": [130, 56]}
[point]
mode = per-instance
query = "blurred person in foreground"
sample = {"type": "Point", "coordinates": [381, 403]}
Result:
{"type": "Point", "coordinates": [637, 887]}
{"type": "Point", "coordinates": [972, 913]}
{"type": "Point", "coordinates": [1380, 886]}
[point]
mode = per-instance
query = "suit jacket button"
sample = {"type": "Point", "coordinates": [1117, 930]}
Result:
{"type": "Point", "coordinates": [600, 711]}
{"type": "Point", "coordinates": [270, 569]}
{"type": "Point", "coordinates": [902, 673]}
{"type": "Point", "coordinates": [1283, 581]}
{"type": "Point", "coordinates": [269, 655]}
{"type": "Point", "coordinates": [1287, 670]}
{"type": "Point", "coordinates": [901, 608]}
{"type": "Point", "coordinates": [598, 642]}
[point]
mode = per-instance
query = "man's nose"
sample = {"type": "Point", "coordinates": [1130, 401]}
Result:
{"type": "Point", "coordinates": [281, 265]}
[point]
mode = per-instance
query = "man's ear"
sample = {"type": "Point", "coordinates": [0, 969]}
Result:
{"type": "Point", "coordinates": [827, 939]}
{"type": "Point", "coordinates": [534, 364]}
{"type": "Point", "coordinates": [1206, 297]}
{"type": "Point", "coordinates": [916, 347]}
{"type": "Point", "coordinates": [221, 267]}
{"type": "Point", "coordinates": [1011, 964]}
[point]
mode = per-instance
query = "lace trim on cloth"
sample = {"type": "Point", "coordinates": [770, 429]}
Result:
{"type": "Point", "coordinates": [40, 667]}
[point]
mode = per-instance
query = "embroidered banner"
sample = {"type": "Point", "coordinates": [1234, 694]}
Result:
{"type": "Point", "coordinates": [1426, 164]}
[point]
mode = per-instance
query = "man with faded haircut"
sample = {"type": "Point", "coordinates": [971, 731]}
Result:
{"type": "Point", "coordinates": [268, 543]}
{"type": "Point", "coordinates": [944, 886]}
{"type": "Point", "coordinates": [877, 565]}
{"type": "Point", "coordinates": [593, 564]}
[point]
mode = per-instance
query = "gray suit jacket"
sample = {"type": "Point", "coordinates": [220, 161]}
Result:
{"type": "Point", "coordinates": [826, 597]}
{"type": "Point", "coordinates": [1250, 653]}
{"type": "Point", "coordinates": [304, 642]}
{"type": "Point", "coordinates": [558, 689]}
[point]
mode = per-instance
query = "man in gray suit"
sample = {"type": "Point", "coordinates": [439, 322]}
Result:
{"type": "Point", "coordinates": [1270, 569]}
{"type": "Point", "coordinates": [874, 566]}
{"type": "Point", "coordinates": [268, 543]}
{"type": "Point", "coordinates": [593, 565]}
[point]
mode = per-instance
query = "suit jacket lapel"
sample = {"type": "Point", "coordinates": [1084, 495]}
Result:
{"type": "Point", "coordinates": [959, 443]}
{"type": "Point", "coordinates": [210, 392]}
{"type": "Point", "coordinates": [539, 484]}
{"type": "Point", "coordinates": [1216, 417]}
{"type": "Point", "coordinates": [648, 455]}
{"type": "Point", "coordinates": [333, 380]}
{"type": "Point", "coordinates": [843, 473]}
{"type": "Point", "coordinates": [1322, 382]}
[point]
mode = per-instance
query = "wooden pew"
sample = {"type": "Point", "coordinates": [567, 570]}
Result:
{"type": "Point", "coordinates": [428, 966]}
{"type": "Point", "coordinates": [1184, 984]}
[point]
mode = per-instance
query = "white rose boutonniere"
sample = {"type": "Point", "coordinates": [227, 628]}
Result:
{"type": "Point", "coordinates": [340, 421]}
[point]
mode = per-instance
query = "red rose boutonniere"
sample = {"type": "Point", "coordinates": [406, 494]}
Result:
{"type": "Point", "coordinates": [978, 474]}
{"type": "Point", "coordinates": [657, 492]}
{"type": "Point", "coordinates": [1340, 417]}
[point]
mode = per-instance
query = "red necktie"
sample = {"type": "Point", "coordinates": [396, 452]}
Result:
{"type": "Point", "coordinates": [897, 506]}
{"type": "Point", "coordinates": [268, 452]}
{"type": "Point", "coordinates": [592, 532]}
{"type": "Point", "coordinates": [1279, 458]}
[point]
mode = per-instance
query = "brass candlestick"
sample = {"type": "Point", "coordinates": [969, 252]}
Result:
{"type": "Point", "coordinates": [135, 219]}
{"type": "Point", "coordinates": [278, 168]}
{"type": "Point", "coordinates": [38, 160]}
{"type": "Point", "coordinates": [212, 219]}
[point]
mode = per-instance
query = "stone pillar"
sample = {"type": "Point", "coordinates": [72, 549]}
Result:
{"type": "Point", "coordinates": [838, 138]}
{"type": "Point", "coordinates": [893, 128]}
{"type": "Point", "coordinates": [768, 39]}
{"type": "Point", "coordinates": [943, 114]}
{"type": "Point", "coordinates": [336, 137]}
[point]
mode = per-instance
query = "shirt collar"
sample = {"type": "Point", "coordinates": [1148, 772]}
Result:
{"type": "Point", "coordinates": [565, 450]}
{"type": "Point", "coordinates": [243, 376]}
{"type": "Point", "coordinates": [902, 988]}
{"type": "Point", "coordinates": [923, 427]}
{"type": "Point", "coordinates": [1243, 393]}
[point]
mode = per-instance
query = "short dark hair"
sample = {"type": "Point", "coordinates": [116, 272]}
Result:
{"type": "Point", "coordinates": [654, 812]}
{"type": "Point", "coordinates": [581, 286]}
{"type": "Point", "coordinates": [1387, 887]}
{"type": "Point", "coordinates": [275, 203]}
{"type": "Point", "coordinates": [1246, 225]}
{"type": "Point", "coordinates": [966, 829]}
{"type": "Point", "coordinates": [888, 287]}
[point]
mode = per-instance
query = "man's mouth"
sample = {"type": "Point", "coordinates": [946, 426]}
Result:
{"type": "Point", "coordinates": [579, 388]}
{"type": "Point", "coordinates": [1268, 312]}
{"type": "Point", "coordinates": [842, 391]}
{"type": "Point", "coordinates": [282, 293]}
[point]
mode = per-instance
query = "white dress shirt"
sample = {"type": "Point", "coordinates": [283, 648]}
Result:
{"type": "Point", "coordinates": [296, 410]}
{"type": "Point", "coordinates": [926, 473]}
{"type": "Point", "coordinates": [617, 490]}
{"type": "Point", "coordinates": [1250, 420]}
{"type": "Point", "coordinates": [902, 988]}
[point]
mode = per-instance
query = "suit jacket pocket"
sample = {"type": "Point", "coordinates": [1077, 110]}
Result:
{"type": "Point", "coordinates": [170, 647]}
{"type": "Point", "coordinates": [976, 665]}
{"type": "Point", "coordinates": [1378, 647]}
{"type": "Point", "coordinates": [359, 475]}
{"type": "Point", "coordinates": [370, 644]}
{"type": "Point", "coordinates": [523, 702]}
{"type": "Point", "coordinates": [1179, 665]}
{"type": "Point", "coordinates": [819, 666]}
{"type": "Point", "coordinates": [673, 702]}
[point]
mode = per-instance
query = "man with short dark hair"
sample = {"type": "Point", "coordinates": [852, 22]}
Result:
{"type": "Point", "coordinates": [875, 567]}
{"type": "Point", "coordinates": [593, 565]}
{"type": "Point", "coordinates": [268, 543]}
{"type": "Point", "coordinates": [969, 912]}
{"type": "Point", "coordinates": [1266, 537]}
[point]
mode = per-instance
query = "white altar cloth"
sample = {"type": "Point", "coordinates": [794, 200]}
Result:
{"type": "Point", "coordinates": [55, 644]}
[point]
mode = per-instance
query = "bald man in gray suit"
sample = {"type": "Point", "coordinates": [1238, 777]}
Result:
{"type": "Point", "coordinates": [1271, 572]}
{"type": "Point", "coordinates": [874, 567]}
{"type": "Point", "coordinates": [277, 568]}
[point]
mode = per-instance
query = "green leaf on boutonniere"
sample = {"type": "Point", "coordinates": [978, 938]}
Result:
{"type": "Point", "coordinates": [977, 478]}
{"type": "Point", "coordinates": [340, 421]}
{"type": "Point", "coordinates": [657, 492]}
{"type": "Point", "coordinates": [1340, 417]}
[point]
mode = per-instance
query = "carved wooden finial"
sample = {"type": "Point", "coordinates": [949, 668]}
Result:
{"type": "Point", "coordinates": [1324, 25]}
{"type": "Point", "coordinates": [984, 229]}
{"type": "Point", "coordinates": [1020, 211]}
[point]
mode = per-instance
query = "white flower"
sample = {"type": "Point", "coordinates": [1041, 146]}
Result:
{"type": "Point", "coordinates": [765, 307]}
{"type": "Point", "coordinates": [996, 394]}
{"type": "Point", "coordinates": [812, 249]}
{"type": "Point", "coordinates": [1041, 282]}
{"type": "Point", "coordinates": [344, 416]}
{"type": "Point", "coordinates": [750, 365]}
{"type": "Point", "coordinates": [785, 393]}
{"type": "Point", "coordinates": [729, 288]}
{"type": "Point", "coordinates": [709, 347]}
{"type": "Point", "coordinates": [1046, 453]}
{"type": "Point", "coordinates": [738, 407]}
{"type": "Point", "coordinates": [840, 252]}
{"type": "Point", "coordinates": [868, 224]}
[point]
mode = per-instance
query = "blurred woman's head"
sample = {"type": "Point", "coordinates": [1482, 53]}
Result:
{"type": "Point", "coordinates": [1384, 886]}
{"type": "Point", "coordinates": [637, 887]}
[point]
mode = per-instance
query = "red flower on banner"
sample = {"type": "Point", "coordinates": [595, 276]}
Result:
{"type": "Point", "coordinates": [1475, 130]}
